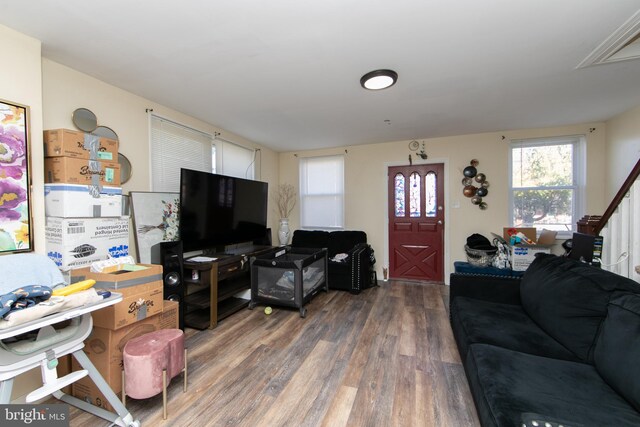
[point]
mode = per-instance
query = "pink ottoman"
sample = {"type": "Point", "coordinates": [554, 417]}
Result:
{"type": "Point", "coordinates": [150, 362]}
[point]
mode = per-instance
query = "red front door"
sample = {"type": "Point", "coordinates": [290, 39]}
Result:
{"type": "Point", "coordinates": [416, 222]}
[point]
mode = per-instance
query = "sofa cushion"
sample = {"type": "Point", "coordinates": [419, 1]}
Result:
{"type": "Point", "coordinates": [568, 299]}
{"type": "Point", "coordinates": [509, 387]}
{"type": "Point", "coordinates": [310, 239]}
{"type": "Point", "coordinates": [503, 325]}
{"type": "Point", "coordinates": [617, 351]}
{"type": "Point", "coordinates": [343, 241]}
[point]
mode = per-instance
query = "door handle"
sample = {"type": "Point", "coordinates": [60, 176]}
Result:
{"type": "Point", "coordinates": [440, 222]}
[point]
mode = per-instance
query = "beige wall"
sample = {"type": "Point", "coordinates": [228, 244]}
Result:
{"type": "Point", "coordinates": [21, 82]}
{"type": "Point", "coordinates": [623, 149]}
{"type": "Point", "coordinates": [65, 89]}
{"type": "Point", "coordinates": [366, 182]}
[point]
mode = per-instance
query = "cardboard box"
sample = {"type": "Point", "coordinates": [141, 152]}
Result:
{"type": "Point", "coordinates": [77, 242]}
{"type": "Point", "coordinates": [64, 368]}
{"type": "Point", "coordinates": [529, 232]}
{"type": "Point", "coordinates": [76, 200]}
{"type": "Point", "coordinates": [73, 143]}
{"type": "Point", "coordinates": [523, 255]}
{"type": "Point", "coordinates": [104, 347]}
{"type": "Point", "coordinates": [547, 237]}
{"type": "Point", "coordinates": [141, 290]}
{"type": "Point", "coordinates": [69, 170]}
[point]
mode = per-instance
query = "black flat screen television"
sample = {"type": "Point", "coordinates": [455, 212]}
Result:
{"type": "Point", "coordinates": [218, 210]}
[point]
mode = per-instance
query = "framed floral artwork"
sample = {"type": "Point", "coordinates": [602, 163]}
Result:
{"type": "Point", "coordinates": [15, 181]}
{"type": "Point", "coordinates": [155, 219]}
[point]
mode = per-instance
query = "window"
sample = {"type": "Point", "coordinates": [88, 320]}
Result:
{"type": "Point", "coordinates": [322, 192]}
{"type": "Point", "coordinates": [238, 161]}
{"type": "Point", "coordinates": [174, 146]}
{"type": "Point", "coordinates": [547, 183]}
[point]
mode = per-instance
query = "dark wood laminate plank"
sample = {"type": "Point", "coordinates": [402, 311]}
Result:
{"type": "Point", "coordinates": [385, 357]}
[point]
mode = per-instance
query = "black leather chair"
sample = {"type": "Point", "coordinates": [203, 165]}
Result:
{"type": "Point", "coordinates": [354, 272]}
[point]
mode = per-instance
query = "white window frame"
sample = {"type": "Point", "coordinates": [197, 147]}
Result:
{"type": "Point", "coordinates": [305, 196]}
{"type": "Point", "coordinates": [579, 175]}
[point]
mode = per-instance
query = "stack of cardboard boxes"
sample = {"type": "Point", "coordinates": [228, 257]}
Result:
{"type": "Point", "coordinates": [142, 310]}
{"type": "Point", "coordinates": [84, 224]}
{"type": "Point", "coordinates": [524, 245]}
{"type": "Point", "coordinates": [83, 199]}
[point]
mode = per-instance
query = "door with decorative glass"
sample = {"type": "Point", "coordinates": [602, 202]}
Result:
{"type": "Point", "coordinates": [416, 222]}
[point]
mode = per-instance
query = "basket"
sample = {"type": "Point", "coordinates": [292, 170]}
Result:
{"type": "Point", "coordinates": [480, 257]}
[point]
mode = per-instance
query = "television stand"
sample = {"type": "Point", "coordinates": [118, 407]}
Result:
{"type": "Point", "coordinates": [211, 286]}
{"type": "Point", "coordinates": [249, 250]}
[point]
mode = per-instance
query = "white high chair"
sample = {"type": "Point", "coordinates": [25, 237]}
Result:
{"type": "Point", "coordinates": [15, 358]}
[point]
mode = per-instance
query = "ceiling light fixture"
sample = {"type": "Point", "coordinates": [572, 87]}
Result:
{"type": "Point", "coordinates": [379, 79]}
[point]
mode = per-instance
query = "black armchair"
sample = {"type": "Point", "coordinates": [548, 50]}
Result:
{"type": "Point", "coordinates": [351, 259]}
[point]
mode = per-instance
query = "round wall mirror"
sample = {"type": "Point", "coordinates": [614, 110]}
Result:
{"type": "Point", "coordinates": [125, 168]}
{"type": "Point", "coordinates": [105, 132]}
{"type": "Point", "coordinates": [84, 119]}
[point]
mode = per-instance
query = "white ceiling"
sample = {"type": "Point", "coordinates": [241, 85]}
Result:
{"type": "Point", "coordinates": [285, 73]}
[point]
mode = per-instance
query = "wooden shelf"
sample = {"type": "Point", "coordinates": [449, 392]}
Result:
{"type": "Point", "coordinates": [231, 286]}
{"type": "Point", "coordinates": [199, 300]}
{"type": "Point", "coordinates": [198, 319]}
{"type": "Point", "coordinates": [218, 281]}
{"type": "Point", "coordinates": [230, 306]}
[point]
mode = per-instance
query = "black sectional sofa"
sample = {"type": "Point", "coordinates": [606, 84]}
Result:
{"type": "Point", "coordinates": [354, 272]}
{"type": "Point", "coordinates": [560, 346]}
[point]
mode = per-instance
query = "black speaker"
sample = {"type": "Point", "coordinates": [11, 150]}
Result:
{"type": "Point", "coordinates": [173, 275]}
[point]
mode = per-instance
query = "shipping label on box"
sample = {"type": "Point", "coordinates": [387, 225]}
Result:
{"type": "Point", "coordinates": [523, 255]}
{"type": "Point", "coordinates": [104, 347]}
{"type": "Point", "coordinates": [77, 242]}
{"type": "Point", "coordinates": [73, 143]}
{"type": "Point", "coordinates": [76, 200]}
{"type": "Point", "coordinates": [141, 290]}
{"type": "Point", "coordinates": [69, 170]}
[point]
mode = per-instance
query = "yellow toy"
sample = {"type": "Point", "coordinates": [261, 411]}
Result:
{"type": "Point", "coordinates": [73, 288]}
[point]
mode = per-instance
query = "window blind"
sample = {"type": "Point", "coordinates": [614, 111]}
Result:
{"type": "Point", "coordinates": [322, 192]}
{"type": "Point", "coordinates": [238, 161]}
{"type": "Point", "coordinates": [175, 146]}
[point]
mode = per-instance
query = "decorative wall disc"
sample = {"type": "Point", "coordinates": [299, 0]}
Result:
{"type": "Point", "coordinates": [475, 193]}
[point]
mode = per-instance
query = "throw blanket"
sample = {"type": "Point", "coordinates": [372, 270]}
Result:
{"type": "Point", "coordinates": [51, 306]}
{"type": "Point", "coordinates": [20, 270]}
{"type": "Point", "coordinates": [22, 298]}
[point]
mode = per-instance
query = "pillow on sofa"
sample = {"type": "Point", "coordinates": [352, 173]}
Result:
{"type": "Point", "coordinates": [310, 239]}
{"type": "Point", "coordinates": [343, 241]}
{"type": "Point", "coordinates": [568, 299]}
{"type": "Point", "coordinates": [617, 350]}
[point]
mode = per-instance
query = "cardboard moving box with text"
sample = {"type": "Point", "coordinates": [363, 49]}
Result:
{"type": "Point", "coordinates": [141, 291]}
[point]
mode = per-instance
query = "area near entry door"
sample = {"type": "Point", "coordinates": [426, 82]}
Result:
{"type": "Point", "coordinates": [416, 222]}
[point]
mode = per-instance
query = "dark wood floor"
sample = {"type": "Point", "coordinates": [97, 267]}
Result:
{"type": "Point", "coordinates": [385, 357]}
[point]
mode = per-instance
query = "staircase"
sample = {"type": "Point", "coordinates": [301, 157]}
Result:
{"type": "Point", "coordinates": [620, 229]}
